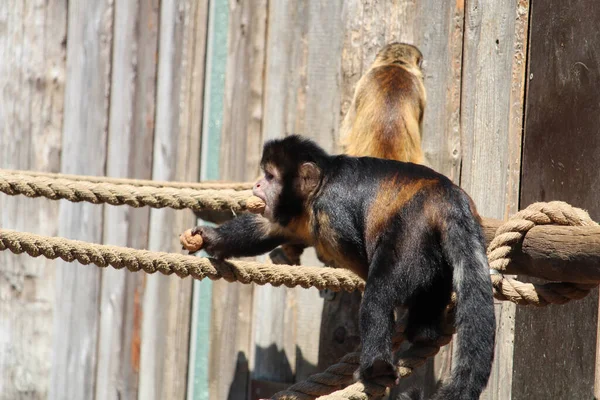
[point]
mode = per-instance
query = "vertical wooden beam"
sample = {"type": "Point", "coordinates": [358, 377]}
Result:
{"type": "Point", "coordinates": [32, 76]}
{"type": "Point", "coordinates": [493, 84]}
{"type": "Point", "coordinates": [555, 346]}
{"type": "Point", "coordinates": [167, 300]}
{"type": "Point", "coordinates": [130, 137]}
{"type": "Point", "coordinates": [89, 42]}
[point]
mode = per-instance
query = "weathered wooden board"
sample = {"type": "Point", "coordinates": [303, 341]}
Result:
{"type": "Point", "coordinates": [300, 97]}
{"type": "Point", "coordinates": [273, 354]}
{"type": "Point", "coordinates": [75, 344]}
{"type": "Point", "coordinates": [495, 39]}
{"type": "Point", "coordinates": [238, 160]}
{"type": "Point", "coordinates": [130, 138]}
{"type": "Point", "coordinates": [216, 18]}
{"type": "Point", "coordinates": [167, 300]}
{"type": "Point", "coordinates": [555, 347]}
{"type": "Point", "coordinates": [32, 75]}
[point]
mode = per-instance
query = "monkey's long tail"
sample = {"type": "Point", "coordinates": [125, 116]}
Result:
{"type": "Point", "coordinates": [464, 247]}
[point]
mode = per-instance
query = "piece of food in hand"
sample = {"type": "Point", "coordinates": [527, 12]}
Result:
{"type": "Point", "coordinates": [190, 242]}
{"type": "Point", "coordinates": [255, 205]}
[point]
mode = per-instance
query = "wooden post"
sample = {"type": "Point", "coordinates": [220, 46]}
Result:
{"type": "Point", "coordinates": [555, 347]}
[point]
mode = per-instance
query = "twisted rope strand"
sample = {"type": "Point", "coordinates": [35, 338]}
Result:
{"type": "Point", "coordinates": [133, 182]}
{"type": "Point", "coordinates": [179, 264]}
{"type": "Point", "coordinates": [121, 194]}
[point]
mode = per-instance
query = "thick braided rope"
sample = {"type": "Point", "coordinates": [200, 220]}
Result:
{"type": "Point", "coordinates": [216, 185]}
{"type": "Point", "coordinates": [121, 194]}
{"type": "Point", "coordinates": [179, 264]}
{"type": "Point", "coordinates": [511, 234]}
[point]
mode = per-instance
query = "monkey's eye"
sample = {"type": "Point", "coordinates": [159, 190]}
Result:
{"type": "Point", "coordinates": [268, 176]}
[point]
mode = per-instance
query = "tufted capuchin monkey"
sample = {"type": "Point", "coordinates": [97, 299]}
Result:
{"type": "Point", "coordinates": [384, 119]}
{"type": "Point", "coordinates": [386, 114]}
{"type": "Point", "coordinates": [412, 234]}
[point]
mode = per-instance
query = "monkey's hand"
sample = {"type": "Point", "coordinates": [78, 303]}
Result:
{"type": "Point", "coordinates": [245, 236]}
{"type": "Point", "coordinates": [191, 242]}
{"type": "Point", "coordinates": [203, 238]}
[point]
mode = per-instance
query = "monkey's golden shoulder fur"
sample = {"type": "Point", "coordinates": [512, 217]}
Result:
{"type": "Point", "coordinates": [386, 114]}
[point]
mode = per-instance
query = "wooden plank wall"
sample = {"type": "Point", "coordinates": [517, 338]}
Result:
{"type": "Point", "coordinates": [32, 82]}
{"type": "Point", "coordinates": [117, 88]}
{"type": "Point", "coordinates": [87, 90]}
{"type": "Point", "coordinates": [167, 300]}
{"type": "Point", "coordinates": [555, 346]}
{"type": "Point", "coordinates": [131, 76]}
{"type": "Point", "coordinates": [130, 137]}
{"type": "Point", "coordinates": [241, 116]}
{"type": "Point", "coordinates": [202, 382]}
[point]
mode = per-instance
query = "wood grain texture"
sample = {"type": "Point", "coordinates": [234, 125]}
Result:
{"type": "Point", "coordinates": [130, 140]}
{"type": "Point", "coordinates": [216, 20]}
{"type": "Point", "coordinates": [273, 354]}
{"type": "Point", "coordinates": [491, 119]}
{"type": "Point", "coordinates": [560, 152]}
{"type": "Point", "coordinates": [241, 116]}
{"type": "Point", "coordinates": [32, 76]}
{"type": "Point", "coordinates": [76, 319]}
{"type": "Point", "coordinates": [167, 300]}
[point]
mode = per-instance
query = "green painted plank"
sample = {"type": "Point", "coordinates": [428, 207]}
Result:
{"type": "Point", "coordinates": [218, 19]}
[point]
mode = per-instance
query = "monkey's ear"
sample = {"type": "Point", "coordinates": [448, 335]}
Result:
{"type": "Point", "coordinates": [309, 176]}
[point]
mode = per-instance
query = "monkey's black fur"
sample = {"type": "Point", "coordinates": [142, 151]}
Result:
{"type": "Point", "coordinates": [414, 247]}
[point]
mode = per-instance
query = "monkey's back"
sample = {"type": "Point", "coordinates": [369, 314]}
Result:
{"type": "Point", "coordinates": [368, 195]}
{"type": "Point", "coordinates": [386, 115]}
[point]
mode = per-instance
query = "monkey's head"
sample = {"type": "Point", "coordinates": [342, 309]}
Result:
{"type": "Point", "coordinates": [399, 53]}
{"type": "Point", "coordinates": [293, 170]}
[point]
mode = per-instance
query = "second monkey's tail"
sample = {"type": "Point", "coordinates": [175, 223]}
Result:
{"type": "Point", "coordinates": [464, 247]}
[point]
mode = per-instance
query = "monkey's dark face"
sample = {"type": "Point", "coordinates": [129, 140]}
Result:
{"type": "Point", "coordinates": [292, 167]}
{"type": "Point", "coordinates": [268, 189]}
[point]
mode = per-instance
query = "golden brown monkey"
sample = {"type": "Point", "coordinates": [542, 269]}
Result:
{"type": "Point", "coordinates": [386, 114]}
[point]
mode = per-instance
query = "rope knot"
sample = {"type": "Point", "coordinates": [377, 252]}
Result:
{"type": "Point", "coordinates": [509, 238]}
